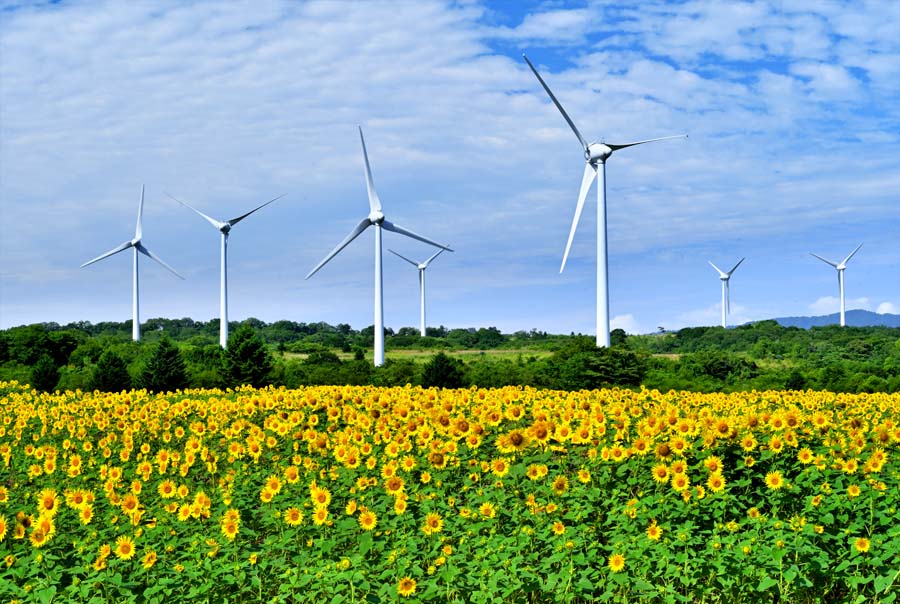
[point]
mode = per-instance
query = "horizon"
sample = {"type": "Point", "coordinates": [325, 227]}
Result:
{"type": "Point", "coordinates": [794, 150]}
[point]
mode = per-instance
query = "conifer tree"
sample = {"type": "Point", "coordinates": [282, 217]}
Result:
{"type": "Point", "coordinates": [246, 360]}
{"type": "Point", "coordinates": [44, 374]}
{"type": "Point", "coordinates": [111, 373]}
{"type": "Point", "coordinates": [164, 370]}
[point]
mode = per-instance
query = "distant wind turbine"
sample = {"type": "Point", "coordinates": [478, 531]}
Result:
{"type": "Point", "coordinates": [421, 266]}
{"type": "Point", "coordinates": [224, 228]}
{"type": "Point", "coordinates": [376, 219]}
{"type": "Point", "coordinates": [136, 244]}
{"type": "Point", "coordinates": [840, 271]}
{"type": "Point", "coordinates": [726, 293]}
{"type": "Point", "coordinates": [595, 155]}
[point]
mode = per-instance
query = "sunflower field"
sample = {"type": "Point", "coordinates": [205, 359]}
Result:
{"type": "Point", "coordinates": [364, 494]}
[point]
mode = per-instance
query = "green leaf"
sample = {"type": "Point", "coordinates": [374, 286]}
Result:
{"type": "Point", "coordinates": [766, 583]}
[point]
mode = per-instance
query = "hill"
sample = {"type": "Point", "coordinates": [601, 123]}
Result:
{"type": "Point", "coordinates": [855, 318]}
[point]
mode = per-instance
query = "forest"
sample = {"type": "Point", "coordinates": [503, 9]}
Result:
{"type": "Point", "coordinates": [183, 353]}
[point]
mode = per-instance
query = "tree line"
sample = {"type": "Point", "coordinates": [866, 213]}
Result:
{"type": "Point", "coordinates": [185, 353]}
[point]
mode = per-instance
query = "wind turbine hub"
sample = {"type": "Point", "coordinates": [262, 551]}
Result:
{"type": "Point", "coordinates": [597, 152]}
{"type": "Point", "coordinates": [376, 217]}
{"type": "Point", "coordinates": [225, 228]}
{"type": "Point", "coordinates": [135, 241]}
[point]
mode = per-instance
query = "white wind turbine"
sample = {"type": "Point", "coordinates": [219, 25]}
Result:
{"type": "Point", "coordinates": [137, 246]}
{"type": "Point", "coordinates": [224, 228]}
{"type": "Point", "coordinates": [840, 271]}
{"type": "Point", "coordinates": [376, 219]}
{"type": "Point", "coordinates": [421, 266]}
{"type": "Point", "coordinates": [595, 155]}
{"type": "Point", "coordinates": [726, 293]}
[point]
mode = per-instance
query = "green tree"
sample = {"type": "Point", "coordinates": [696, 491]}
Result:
{"type": "Point", "coordinates": [443, 371]}
{"type": "Point", "coordinates": [246, 360]}
{"type": "Point", "coordinates": [111, 373]}
{"type": "Point", "coordinates": [164, 370]}
{"type": "Point", "coordinates": [44, 374]}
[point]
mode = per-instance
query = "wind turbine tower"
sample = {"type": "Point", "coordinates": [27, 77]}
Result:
{"type": "Point", "coordinates": [595, 155]}
{"type": "Point", "coordinates": [840, 271]}
{"type": "Point", "coordinates": [224, 228]}
{"type": "Point", "coordinates": [421, 266]}
{"type": "Point", "coordinates": [726, 294]}
{"type": "Point", "coordinates": [375, 218]}
{"type": "Point", "coordinates": [138, 247]}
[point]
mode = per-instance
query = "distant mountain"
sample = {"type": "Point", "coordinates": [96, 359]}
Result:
{"type": "Point", "coordinates": [855, 318]}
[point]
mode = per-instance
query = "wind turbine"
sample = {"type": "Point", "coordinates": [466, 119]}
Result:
{"type": "Point", "coordinates": [595, 155]}
{"type": "Point", "coordinates": [421, 266]}
{"type": "Point", "coordinates": [137, 246]}
{"type": "Point", "coordinates": [726, 294]}
{"type": "Point", "coordinates": [376, 219]}
{"type": "Point", "coordinates": [840, 271]}
{"type": "Point", "coordinates": [224, 228]}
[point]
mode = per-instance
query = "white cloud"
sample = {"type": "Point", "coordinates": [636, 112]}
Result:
{"type": "Point", "coordinates": [887, 308]}
{"type": "Point", "coordinates": [827, 305]}
{"type": "Point", "coordinates": [228, 104]}
{"type": "Point", "coordinates": [628, 323]}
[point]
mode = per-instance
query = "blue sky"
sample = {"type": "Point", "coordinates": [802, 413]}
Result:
{"type": "Point", "coordinates": [791, 107]}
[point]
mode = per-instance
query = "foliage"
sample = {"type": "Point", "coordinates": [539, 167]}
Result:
{"type": "Point", "coordinates": [443, 371]}
{"type": "Point", "coordinates": [164, 371]}
{"type": "Point", "coordinates": [44, 374]}
{"type": "Point", "coordinates": [246, 360]}
{"type": "Point", "coordinates": [409, 494]}
{"type": "Point", "coordinates": [111, 373]}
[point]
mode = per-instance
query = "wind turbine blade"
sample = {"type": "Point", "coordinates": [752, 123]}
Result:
{"type": "Point", "coordinates": [396, 228]}
{"type": "Point", "coordinates": [216, 223]}
{"type": "Point", "coordinates": [140, 247]}
{"type": "Point", "coordinates": [234, 221]}
{"type": "Point", "coordinates": [736, 265]}
{"type": "Point", "coordinates": [847, 259]}
{"type": "Point", "coordinates": [138, 230]}
{"type": "Point", "coordinates": [115, 250]}
{"type": "Point", "coordinates": [824, 260]}
{"type": "Point", "coordinates": [649, 140]}
{"type": "Point", "coordinates": [556, 102]}
{"type": "Point", "coordinates": [415, 264]}
{"type": "Point", "coordinates": [590, 173]}
{"type": "Point", "coordinates": [433, 256]}
{"type": "Point", "coordinates": [374, 202]}
{"type": "Point", "coordinates": [722, 273]}
{"type": "Point", "coordinates": [362, 226]}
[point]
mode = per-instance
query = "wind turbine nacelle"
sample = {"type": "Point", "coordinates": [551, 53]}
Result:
{"type": "Point", "coordinates": [376, 217]}
{"type": "Point", "coordinates": [597, 152]}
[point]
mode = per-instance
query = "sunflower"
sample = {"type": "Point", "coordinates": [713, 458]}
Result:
{"type": "Point", "coordinates": [654, 532]}
{"type": "Point", "coordinates": [500, 467]}
{"type": "Point", "coordinates": [230, 528]}
{"type": "Point", "coordinates": [166, 489]}
{"type": "Point", "coordinates": [774, 480]}
{"type": "Point", "coordinates": [487, 510]}
{"type": "Point", "coordinates": [320, 516]}
{"type": "Point", "coordinates": [148, 560]}
{"type": "Point", "coordinates": [616, 562]}
{"type": "Point", "coordinates": [853, 491]}
{"type": "Point", "coordinates": [558, 528]}
{"type": "Point", "coordinates": [406, 587]}
{"type": "Point", "coordinates": [2, 528]}
{"type": "Point", "coordinates": [320, 497]}
{"type": "Point", "coordinates": [48, 502]}
{"type": "Point", "coordinates": [560, 485]}
{"type": "Point", "coordinates": [584, 476]}
{"type": "Point", "coordinates": [862, 545]}
{"type": "Point", "coordinates": [368, 520]}
{"type": "Point", "coordinates": [433, 524]}
{"type": "Point", "coordinates": [399, 505]}
{"type": "Point", "coordinates": [393, 485]}
{"type": "Point", "coordinates": [715, 482]}
{"type": "Point", "coordinates": [661, 473]}
{"type": "Point", "coordinates": [38, 538]}
{"type": "Point", "coordinates": [124, 548]}
{"type": "Point", "coordinates": [681, 482]}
